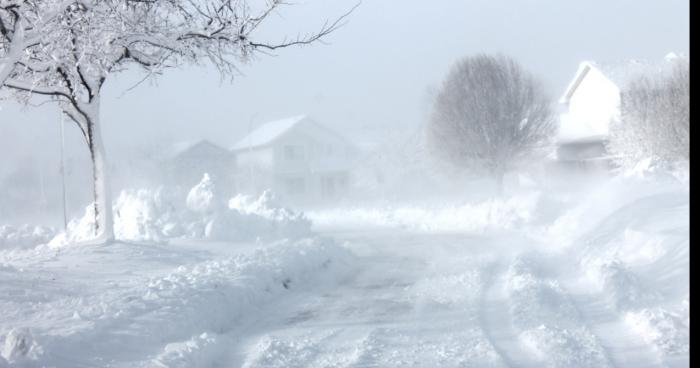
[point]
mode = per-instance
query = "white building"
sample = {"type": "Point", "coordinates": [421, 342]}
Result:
{"type": "Point", "coordinates": [591, 103]}
{"type": "Point", "coordinates": [298, 158]}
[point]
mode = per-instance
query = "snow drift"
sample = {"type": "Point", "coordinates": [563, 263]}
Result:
{"type": "Point", "coordinates": [24, 236]}
{"type": "Point", "coordinates": [162, 214]}
{"type": "Point", "coordinates": [494, 214]}
{"type": "Point", "coordinates": [184, 316]}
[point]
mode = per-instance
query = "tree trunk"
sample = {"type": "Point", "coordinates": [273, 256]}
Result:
{"type": "Point", "coordinates": [104, 219]}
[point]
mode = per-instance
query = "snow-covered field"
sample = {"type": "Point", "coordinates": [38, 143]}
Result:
{"type": "Point", "coordinates": [592, 278]}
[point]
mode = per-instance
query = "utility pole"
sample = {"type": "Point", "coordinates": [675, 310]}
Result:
{"type": "Point", "coordinates": [250, 155]}
{"type": "Point", "coordinates": [63, 173]}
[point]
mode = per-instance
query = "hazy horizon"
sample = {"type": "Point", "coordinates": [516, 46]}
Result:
{"type": "Point", "coordinates": [372, 76]}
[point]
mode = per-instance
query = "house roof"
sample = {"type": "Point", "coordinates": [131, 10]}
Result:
{"type": "Point", "coordinates": [201, 148]}
{"type": "Point", "coordinates": [621, 73]}
{"type": "Point", "coordinates": [268, 133]}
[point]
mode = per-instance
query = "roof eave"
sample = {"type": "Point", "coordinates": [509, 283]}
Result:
{"type": "Point", "coordinates": [583, 70]}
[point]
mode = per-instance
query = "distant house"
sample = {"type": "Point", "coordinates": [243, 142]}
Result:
{"type": "Point", "coordinates": [590, 104]}
{"type": "Point", "coordinates": [188, 162]}
{"type": "Point", "coordinates": [298, 158]}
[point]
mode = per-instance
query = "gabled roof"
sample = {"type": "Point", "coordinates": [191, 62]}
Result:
{"type": "Point", "coordinates": [621, 73]}
{"type": "Point", "coordinates": [199, 148]}
{"type": "Point", "coordinates": [583, 69]}
{"type": "Point", "coordinates": [268, 133]}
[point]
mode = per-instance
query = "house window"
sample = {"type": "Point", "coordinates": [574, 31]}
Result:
{"type": "Point", "coordinates": [293, 153]}
{"type": "Point", "coordinates": [295, 186]}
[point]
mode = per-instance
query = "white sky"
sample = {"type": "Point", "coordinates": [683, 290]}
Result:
{"type": "Point", "coordinates": [373, 75]}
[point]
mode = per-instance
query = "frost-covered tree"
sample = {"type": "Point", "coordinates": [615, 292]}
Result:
{"type": "Point", "coordinates": [654, 118]}
{"type": "Point", "coordinates": [489, 115]}
{"type": "Point", "coordinates": [67, 49]}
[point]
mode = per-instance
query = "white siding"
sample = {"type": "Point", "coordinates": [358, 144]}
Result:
{"type": "Point", "coordinates": [260, 157]}
{"type": "Point", "coordinates": [594, 104]}
{"type": "Point", "coordinates": [305, 164]}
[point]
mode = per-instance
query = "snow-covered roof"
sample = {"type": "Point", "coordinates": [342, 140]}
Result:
{"type": "Point", "coordinates": [621, 73]}
{"type": "Point", "coordinates": [202, 147]}
{"type": "Point", "coordinates": [268, 133]}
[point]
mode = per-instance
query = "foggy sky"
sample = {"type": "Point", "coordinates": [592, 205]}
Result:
{"type": "Point", "coordinates": [372, 76]}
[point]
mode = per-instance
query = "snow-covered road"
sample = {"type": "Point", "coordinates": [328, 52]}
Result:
{"type": "Point", "coordinates": [595, 287]}
{"type": "Point", "coordinates": [452, 301]}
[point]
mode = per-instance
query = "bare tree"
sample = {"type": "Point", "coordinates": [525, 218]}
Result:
{"type": "Point", "coordinates": [66, 50]}
{"type": "Point", "coordinates": [654, 118]}
{"type": "Point", "coordinates": [489, 115]}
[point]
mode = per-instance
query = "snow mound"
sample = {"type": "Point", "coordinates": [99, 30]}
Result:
{"type": "Point", "coordinates": [25, 236]}
{"type": "Point", "coordinates": [20, 347]}
{"type": "Point", "coordinates": [202, 350]}
{"type": "Point", "coordinates": [188, 316]}
{"type": "Point", "coordinates": [162, 214]}
{"type": "Point", "coordinates": [145, 215]}
{"type": "Point", "coordinates": [200, 199]}
{"type": "Point", "coordinates": [621, 284]}
{"type": "Point", "coordinates": [669, 332]}
{"type": "Point", "coordinates": [564, 348]}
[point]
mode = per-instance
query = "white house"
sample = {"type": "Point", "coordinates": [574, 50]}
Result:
{"type": "Point", "coordinates": [298, 158]}
{"type": "Point", "coordinates": [591, 103]}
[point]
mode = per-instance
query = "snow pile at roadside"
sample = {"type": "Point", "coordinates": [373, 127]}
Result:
{"type": "Point", "coordinates": [274, 219]}
{"type": "Point", "coordinates": [631, 239]}
{"type": "Point", "coordinates": [668, 331]}
{"type": "Point", "coordinates": [162, 214]}
{"type": "Point", "coordinates": [584, 211]}
{"type": "Point", "coordinates": [494, 214]}
{"type": "Point", "coordinates": [217, 296]}
{"type": "Point", "coordinates": [24, 236]}
{"type": "Point", "coordinates": [201, 199]}
{"type": "Point", "coordinates": [186, 316]}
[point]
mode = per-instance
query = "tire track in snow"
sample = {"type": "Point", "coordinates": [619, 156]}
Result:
{"type": "Point", "coordinates": [496, 321]}
{"type": "Point", "coordinates": [622, 347]}
{"type": "Point", "coordinates": [397, 310]}
{"type": "Point", "coordinates": [546, 318]}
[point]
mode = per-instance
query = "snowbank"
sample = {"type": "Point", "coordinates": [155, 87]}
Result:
{"type": "Point", "coordinates": [20, 347]}
{"type": "Point", "coordinates": [610, 206]}
{"type": "Point", "coordinates": [630, 240]}
{"type": "Point", "coordinates": [669, 332]}
{"type": "Point", "coordinates": [186, 316]}
{"type": "Point", "coordinates": [24, 236]}
{"type": "Point", "coordinates": [162, 214]}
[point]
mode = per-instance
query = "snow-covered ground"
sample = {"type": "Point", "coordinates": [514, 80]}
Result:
{"type": "Point", "coordinates": [592, 278]}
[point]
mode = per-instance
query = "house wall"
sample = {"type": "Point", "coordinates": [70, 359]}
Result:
{"type": "Point", "coordinates": [307, 164]}
{"type": "Point", "coordinates": [581, 151]}
{"type": "Point", "coordinates": [263, 158]}
{"type": "Point", "coordinates": [594, 104]}
{"type": "Point", "coordinates": [255, 170]}
{"type": "Point", "coordinates": [315, 159]}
